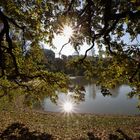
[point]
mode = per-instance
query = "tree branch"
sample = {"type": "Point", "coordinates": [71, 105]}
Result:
{"type": "Point", "coordinates": [8, 39]}
{"type": "Point", "coordinates": [5, 31]}
{"type": "Point", "coordinates": [70, 5]}
{"type": "Point", "coordinates": [22, 85]}
{"type": "Point", "coordinates": [15, 24]}
{"type": "Point", "coordinates": [130, 14]}
{"type": "Point", "coordinates": [109, 46]}
{"type": "Point", "coordinates": [83, 11]}
{"type": "Point", "coordinates": [63, 47]}
{"type": "Point", "coordinates": [86, 53]}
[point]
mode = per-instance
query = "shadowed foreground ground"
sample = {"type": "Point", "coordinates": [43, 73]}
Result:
{"type": "Point", "coordinates": [31, 125]}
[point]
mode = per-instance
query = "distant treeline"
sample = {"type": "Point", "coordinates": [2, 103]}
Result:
{"type": "Point", "coordinates": [60, 64]}
{"type": "Point", "coordinates": [66, 64]}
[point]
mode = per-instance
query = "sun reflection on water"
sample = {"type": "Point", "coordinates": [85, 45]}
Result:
{"type": "Point", "coordinates": [68, 106]}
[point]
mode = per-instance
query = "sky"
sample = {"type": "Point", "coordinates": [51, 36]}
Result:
{"type": "Point", "coordinates": [61, 39]}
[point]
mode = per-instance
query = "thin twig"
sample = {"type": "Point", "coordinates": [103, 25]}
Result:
{"type": "Point", "coordinates": [86, 52]}
{"type": "Point", "coordinates": [63, 47]}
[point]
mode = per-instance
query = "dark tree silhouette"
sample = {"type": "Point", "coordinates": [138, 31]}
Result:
{"type": "Point", "coordinates": [18, 131]}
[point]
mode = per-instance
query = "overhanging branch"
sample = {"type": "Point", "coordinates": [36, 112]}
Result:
{"type": "Point", "coordinates": [5, 31]}
{"type": "Point", "coordinates": [86, 53]}
{"type": "Point", "coordinates": [63, 47]}
{"type": "Point", "coordinates": [8, 39]}
{"type": "Point", "coordinates": [70, 5]}
{"type": "Point", "coordinates": [130, 14]}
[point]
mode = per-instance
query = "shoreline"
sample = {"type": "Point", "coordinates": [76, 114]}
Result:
{"type": "Point", "coordinates": [41, 111]}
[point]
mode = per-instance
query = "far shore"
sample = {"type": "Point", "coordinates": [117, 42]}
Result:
{"type": "Point", "coordinates": [41, 111]}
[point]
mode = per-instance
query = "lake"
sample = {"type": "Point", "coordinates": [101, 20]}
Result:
{"type": "Point", "coordinates": [118, 103]}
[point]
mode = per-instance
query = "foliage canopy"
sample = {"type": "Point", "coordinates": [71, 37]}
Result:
{"type": "Point", "coordinates": [113, 24]}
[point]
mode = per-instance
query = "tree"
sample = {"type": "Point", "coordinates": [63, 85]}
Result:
{"type": "Point", "coordinates": [106, 23]}
{"type": "Point", "coordinates": [49, 58]}
{"type": "Point", "coordinates": [22, 26]}
{"type": "Point", "coordinates": [113, 24]}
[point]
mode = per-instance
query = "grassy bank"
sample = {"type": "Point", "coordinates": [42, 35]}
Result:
{"type": "Point", "coordinates": [59, 126]}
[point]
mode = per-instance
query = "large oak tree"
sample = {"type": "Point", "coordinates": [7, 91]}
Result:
{"type": "Point", "coordinates": [110, 24]}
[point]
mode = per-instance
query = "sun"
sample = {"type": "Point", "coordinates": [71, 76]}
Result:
{"type": "Point", "coordinates": [68, 107]}
{"type": "Point", "coordinates": [67, 31]}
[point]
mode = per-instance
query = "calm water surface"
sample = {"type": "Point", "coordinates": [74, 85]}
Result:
{"type": "Point", "coordinates": [95, 102]}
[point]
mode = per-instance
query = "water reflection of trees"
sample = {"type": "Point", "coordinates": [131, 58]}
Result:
{"type": "Point", "coordinates": [79, 80]}
{"type": "Point", "coordinates": [91, 89]}
{"type": "Point", "coordinates": [115, 91]}
{"type": "Point", "coordinates": [77, 93]}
